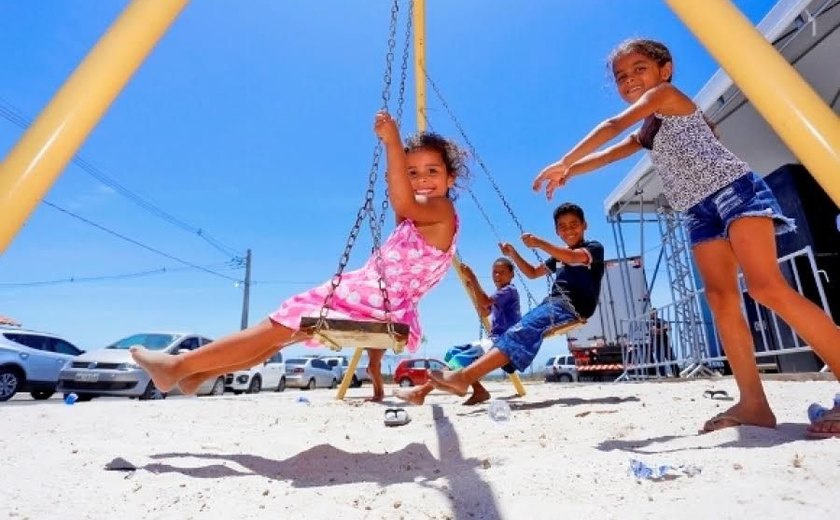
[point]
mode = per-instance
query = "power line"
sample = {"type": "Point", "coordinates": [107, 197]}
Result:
{"type": "Point", "coordinates": [86, 279]}
{"type": "Point", "coordinates": [132, 241]}
{"type": "Point", "coordinates": [10, 113]}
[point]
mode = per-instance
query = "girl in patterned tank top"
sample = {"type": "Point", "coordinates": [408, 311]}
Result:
{"type": "Point", "coordinates": [421, 176]}
{"type": "Point", "coordinates": [730, 214]}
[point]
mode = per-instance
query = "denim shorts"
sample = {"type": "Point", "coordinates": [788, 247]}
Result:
{"type": "Point", "coordinates": [747, 196]}
{"type": "Point", "coordinates": [522, 342]}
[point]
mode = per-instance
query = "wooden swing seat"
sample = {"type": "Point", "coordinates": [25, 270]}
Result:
{"type": "Point", "coordinates": [565, 328]}
{"type": "Point", "coordinates": [337, 334]}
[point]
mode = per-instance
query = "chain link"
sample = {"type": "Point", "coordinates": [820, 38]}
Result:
{"type": "Point", "coordinates": [367, 208]}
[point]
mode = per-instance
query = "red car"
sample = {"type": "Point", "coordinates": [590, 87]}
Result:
{"type": "Point", "coordinates": [411, 372]}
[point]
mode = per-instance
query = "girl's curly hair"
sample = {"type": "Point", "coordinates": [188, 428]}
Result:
{"type": "Point", "coordinates": [652, 49]}
{"type": "Point", "coordinates": [454, 157]}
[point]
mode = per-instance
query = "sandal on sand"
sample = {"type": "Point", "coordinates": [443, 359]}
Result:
{"type": "Point", "coordinates": [720, 395]}
{"type": "Point", "coordinates": [718, 422]}
{"type": "Point", "coordinates": [396, 417]}
{"type": "Point", "coordinates": [830, 418]}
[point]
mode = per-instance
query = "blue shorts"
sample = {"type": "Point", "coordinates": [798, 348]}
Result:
{"type": "Point", "coordinates": [747, 196]}
{"type": "Point", "coordinates": [522, 342]}
{"type": "Point", "coordinates": [462, 356]}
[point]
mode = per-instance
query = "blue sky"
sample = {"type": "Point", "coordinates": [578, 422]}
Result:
{"type": "Point", "coordinates": [252, 121]}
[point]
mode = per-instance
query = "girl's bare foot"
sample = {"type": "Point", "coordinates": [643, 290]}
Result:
{"type": "Point", "coordinates": [479, 396]}
{"type": "Point", "coordinates": [448, 381]}
{"type": "Point", "coordinates": [378, 396]}
{"type": "Point", "coordinates": [158, 365]}
{"type": "Point", "coordinates": [413, 396]}
{"type": "Point", "coordinates": [741, 415]}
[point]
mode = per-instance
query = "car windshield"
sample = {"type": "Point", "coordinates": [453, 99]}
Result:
{"type": "Point", "coordinates": [149, 341]}
{"type": "Point", "coordinates": [550, 361]}
{"type": "Point", "coordinates": [296, 361]}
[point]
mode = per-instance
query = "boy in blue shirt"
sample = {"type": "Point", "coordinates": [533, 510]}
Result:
{"type": "Point", "coordinates": [578, 268]}
{"type": "Point", "coordinates": [503, 309]}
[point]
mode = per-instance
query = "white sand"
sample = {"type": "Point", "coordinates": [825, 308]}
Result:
{"type": "Point", "coordinates": [267, 456]}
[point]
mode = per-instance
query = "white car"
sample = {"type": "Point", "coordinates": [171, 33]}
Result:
{"type": "Point", "coordinates": [111, 371]}
{"type": "Point", "coordinates": [560, 369]}
{"type": "Point", "coordinates": [270, 375]}
{"type": "Point", "coordinates": [31, 362]}
{"type": "Point", "coordinates": [340, 364]}
{"type": "Point", "coordinates": [310, 373]}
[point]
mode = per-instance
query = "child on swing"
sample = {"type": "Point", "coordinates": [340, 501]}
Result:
{"type": "Point", "coordinates": [578, 268]}
{"type": "Point", "coordinates": [731, 218]}
{"type": "Point", "coordinates": [502, 307]}
{"type": "Point", "coordinates": [421, 176]}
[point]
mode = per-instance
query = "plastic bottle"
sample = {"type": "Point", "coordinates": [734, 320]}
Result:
{"type": "Point", "coordinates": [499, 410]}
{"type": "Point", "coordinates": [70, 399]}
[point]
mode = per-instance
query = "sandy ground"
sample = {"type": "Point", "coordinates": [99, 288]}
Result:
{"type": "Point", "coordinates": [564, 454]}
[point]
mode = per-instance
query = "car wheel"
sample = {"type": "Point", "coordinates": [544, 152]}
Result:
{"type": "Point", "coordinates": [10, 381]}
{"type": "Point", "coordinates": [333, 384]}
{"type": "Point", "coordinates": [281, 385]}
{"type": "Point", "coordinates": [255, 386]}
{"type": "Point", "coordinates": [41, 395]}
{"type": "Point", "coordinates": [152, 393]}
{"type": "Point", "coordinates": [311, 385]}
{"type": "Point", "coordinates": [565, 378]}
{"type": "Point", "coordinates": [355, 383]}
{"type": "Point", "coordinates": [406, 382]}
{"type": "Point", "coordinates": [218, 386]}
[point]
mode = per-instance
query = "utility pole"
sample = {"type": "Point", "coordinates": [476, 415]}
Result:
{"type": "Point", "coordinates": [246, 293]}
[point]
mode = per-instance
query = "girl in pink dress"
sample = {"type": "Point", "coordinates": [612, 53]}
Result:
{"type": "Point", "coordinates": [415, 258]}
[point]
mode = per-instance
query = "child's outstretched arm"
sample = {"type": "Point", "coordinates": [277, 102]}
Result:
{"type": "Point", "coordinates": [564, 254]}
{"type": "Point", "coordinates": [401, 194]}
{"type": "Point", "coordinates": [654, 100]}
{"type": "Point", "coordinates": [483, 301]}
{"type": "Point", "coordinates": [527, 268]}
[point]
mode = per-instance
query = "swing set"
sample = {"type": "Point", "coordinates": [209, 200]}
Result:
{"type": "Point", "coordinates": [790, 105]}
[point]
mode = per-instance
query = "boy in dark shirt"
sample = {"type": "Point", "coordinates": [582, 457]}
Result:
{"type": "Point", "coordinates": [502, 307]}
{"type": "Point", "coordinates": [578, 269]}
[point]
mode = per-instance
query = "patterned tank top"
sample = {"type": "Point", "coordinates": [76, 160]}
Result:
{"type": "Point", "coordinates": [691, 161]}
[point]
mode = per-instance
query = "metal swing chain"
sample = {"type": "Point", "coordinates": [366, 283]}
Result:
{"type": "Point", "coordinates": [367, 207]}
{"type": "Point", "coordinates": [549, 279]}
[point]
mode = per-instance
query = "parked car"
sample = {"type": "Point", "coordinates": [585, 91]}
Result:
{"type": "Point", "coordinates": [560, 369]}
{"type": "Point", "coordinates": [412, 372]}
{"type": "Point", "coordinates": [112, 371]}
{"type": "Point", "coordinates": [271, 375]}
{"type": "Point", "coordinates": [340, 364]}
{"type": "Point", "coordinates": [309, 373]}
{"type": "Point", "coordinates": [31, 361]}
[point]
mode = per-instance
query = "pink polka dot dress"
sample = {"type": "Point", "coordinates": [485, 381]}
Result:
{"type": "Point", "coordinates": [412, 267]}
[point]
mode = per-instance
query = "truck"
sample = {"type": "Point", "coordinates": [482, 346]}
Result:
{"type": "Point", "coordinates": [597, 345]}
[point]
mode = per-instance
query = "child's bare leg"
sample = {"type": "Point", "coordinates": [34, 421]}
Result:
{"type": "Point", "coordinates": [166, 370]}
{"type": "Point", "coordinates": [479, 395]}
{"type": "Point", "coordinates": [190, 384]}
{"type": "Point", "coordinates": [459, 381]}
{"type": "Point", "coordinates": [416, 395]}
{"type": "Point", "coordinates": [719, 269]}
{"type": "Point", "coordinates": [374, 369]}
{"type": "Point", "coordinates": [755, 246]}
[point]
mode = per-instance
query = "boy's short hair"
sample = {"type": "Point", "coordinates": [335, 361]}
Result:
{"type": "Point", "coordinates": [505, 262]}
{"type": "Point", "coordinates": [566, 208]}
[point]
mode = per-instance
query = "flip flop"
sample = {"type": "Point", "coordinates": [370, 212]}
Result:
{"type": "Point", "coordinates": [396, 417]}
{"type": "Point", "coordinates": [720, 395]}
{"type": "Point", "coordinates": [830, 417]}
{"type": "Point", "coordinates": [715, 421]}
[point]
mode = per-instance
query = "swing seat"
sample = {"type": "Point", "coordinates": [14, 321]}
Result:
{"type": "Point", "coordinates": [565, 328]}
{"type": "Point", "coordinates": [337, 334]}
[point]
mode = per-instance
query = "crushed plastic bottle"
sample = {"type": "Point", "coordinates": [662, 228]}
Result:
{"type": "Point", "coordinates": [499, 410]}
{"type": "Point", "coordinates": [642, 471]}
{"type": "Point", "coordinates": [816, 411]}
{"type": "Point", "coordinates": [302, 400]}
{"type": "Point", "coordinates": [70, 399]}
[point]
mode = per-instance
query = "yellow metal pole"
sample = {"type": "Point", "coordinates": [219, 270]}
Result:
{"type": "Point", "coordinates": [33, 165]}
{"type": "Point", "coordinates": [798, 115]}
{"type": "Point", "coordinates": [419, 23]}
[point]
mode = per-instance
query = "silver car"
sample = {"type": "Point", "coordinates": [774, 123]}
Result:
{"type": "Point", "coordinates": [31, 361]}
{"type": "Point", "coordinates": [309, 373]}
{"type": "Point", "coordinates": [112, 372]}
{"type": "Point", "coordinates": [560, 369]}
